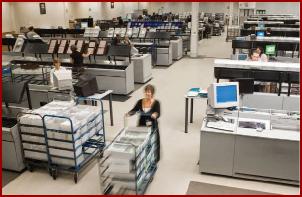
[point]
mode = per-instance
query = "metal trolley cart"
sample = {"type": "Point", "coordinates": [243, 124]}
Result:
{"type": "Point", "coordinates": [33, 140]}
{"type": "Point", "coordinates": [73, 135]}
{"type": "Point", "coordinates": [129, 162]}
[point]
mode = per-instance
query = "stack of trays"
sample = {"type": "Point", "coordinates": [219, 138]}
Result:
{"type": "Point", "coordinates": [65, 136]}
{"type": "Point", "coordinates": [129, 159]}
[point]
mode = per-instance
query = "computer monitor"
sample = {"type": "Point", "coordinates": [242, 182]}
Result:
{"type": "Point", "coordinates": [84, 25]}
{"type": "Point", "coordinates": [242, 56]}
{"type": "Point", "coordinates": [86, 86]}
{"type": "Point", "coordinates": [260, 34]}
{"type": "Point", "coordinates": [223, 95]}
{"type": "Point", "coordinates": [270, 49]}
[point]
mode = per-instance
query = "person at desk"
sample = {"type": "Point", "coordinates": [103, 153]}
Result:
{"type": "Point", "coordinates": [149, 109]}
{"type": "Point", "coordinates": [32, 34]}
{"type": "Point", "coordinates": [254, 56]}
{"type": "Point", "coordinates": [268, 32]}
{"type": "Point", "coordinates": [127, 41]}
{"type": "Point", "coordinates": [57, 68]}
{"type": "Point", "coordinates": [116, 40]}
{"type": "Point", "coordinates": [77, 59]}
{"type": "Point", "coordinates": [263, 57]}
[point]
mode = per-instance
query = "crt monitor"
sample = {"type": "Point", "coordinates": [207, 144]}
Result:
{"type": "Point", "coordinates": [270, 49]}
{"type": "Point", "coordinates": [242, 56]}
{"type": "Point", "coordinates": [223, 95]}
{"type": "Point", "coordinates": [84, 25]}
{"type": "Point", "coordinates": [86, 86]}
{"type": "Point", "coordinates": [260, 34]}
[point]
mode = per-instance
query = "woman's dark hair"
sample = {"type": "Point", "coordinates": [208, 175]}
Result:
{"type": "Point", "coordinates": [150, 88]}
{"type": "Point", "coordinates": [73, 48]}
{"type": "Point", "coordinates": [31, 28]}
{"type": "Point", "coordinates": [252, 52]}
{"type": "Point", "coordinates": [261, 50]}
{"type": "Point", "coordinates": [269, 30]}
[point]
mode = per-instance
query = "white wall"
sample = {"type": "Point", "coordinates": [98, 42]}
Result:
{"type": "Point", "coordinates": [213, 7]}
{"type": "Point", "coordinates": [28, 13]}
{"type": "Point", "coordinates": [17, 14]}
{"type": "Point", "coordinates": [175, 7]}
{"type": "Point", "coordinates": [8, 20]}
{"type": "Point", "coordinates": [280, 7]}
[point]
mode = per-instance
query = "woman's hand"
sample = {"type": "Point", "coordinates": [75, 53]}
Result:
{"type": "Point", "coordinates": [154, 115]}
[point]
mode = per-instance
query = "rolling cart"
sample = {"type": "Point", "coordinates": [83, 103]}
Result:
{"type": "Point", "coordinates": [72, 135]}
{"type": "Point", "coordinates": [33, 140]}
{"type": "Point", "coordinates": [129, 162]}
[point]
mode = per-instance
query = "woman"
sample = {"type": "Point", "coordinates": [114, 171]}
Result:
{"type": "Point", "coordinates": [263, 57]}
{"type": "Point", "coordinates": [57, 68]}
{"type": "Point", "coordinates": [254, 56]}
{"type": "Point", "coordinates": [149, 109]}
{"type": "Point", "coordinates": [127, 41]}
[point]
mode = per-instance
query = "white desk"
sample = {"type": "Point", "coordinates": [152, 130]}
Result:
{"type": "Point", "coordinates": [270, 155]}
{"type": "Point", "coordinates": [264, 22]}
{"type": "Point", "coordinates": [242, 64]}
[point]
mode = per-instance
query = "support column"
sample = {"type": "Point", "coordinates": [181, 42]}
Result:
{"type": "Point", "coordinates": [231, 13]}
{"type": "Point", "coordinates": [194, 29]}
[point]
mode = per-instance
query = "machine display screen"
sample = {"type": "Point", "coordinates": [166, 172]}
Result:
{"type": "Point", "coordinates": [270, 49]}
{"type": "Point", "coordinates": [226, 94]}
{"type": "Point", "coordinates": [260, 34]}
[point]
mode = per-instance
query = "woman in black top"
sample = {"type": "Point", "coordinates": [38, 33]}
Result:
{"type": "Point", "coordinates": [149, 109]}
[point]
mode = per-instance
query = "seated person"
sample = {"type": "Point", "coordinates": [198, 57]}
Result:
{"type": "Point", "coordinates": [268, 32]}
{"type": "Point", "coordinates": [263, 57]}
{"type": "Point", "coordinates": [57, 68]}
{"type": "Point", "coordinates": [116, 40]}
{"type": "Point", "coordinates": [254, 56]}
{"type": "Point", "coordinates": [127, 41]}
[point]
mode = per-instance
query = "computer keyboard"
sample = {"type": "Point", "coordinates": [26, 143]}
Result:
{"type": "Point", "coordinates": [221, 125]}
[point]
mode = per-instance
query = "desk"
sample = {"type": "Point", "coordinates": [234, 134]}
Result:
{"type": "Point", "coordinates": [282, 43]}
{"type": "Point", "coordinates": [249, 24]}
{"type": "Point", "coordinates": [187, 98]}
{"type": "Point", "coordinates": [270, 155]}
{"type": "Point", "coordinates": [284, 20]}
{"type": "Point", "coordinates": [260, 71]}
{"type": "Point", "coordinates": [276, 31]}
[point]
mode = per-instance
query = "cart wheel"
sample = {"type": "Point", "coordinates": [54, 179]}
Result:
{"type": "Point", "coordinates": [54, 173]}
{"type": "Point", "coordinates": [101, 155]}
{"type": "Point", "coordinates": [30, 168]}
{"type": "Point", "coordinates": [75, 177]}
{"type": "Point", "coordinates": [50, 171]}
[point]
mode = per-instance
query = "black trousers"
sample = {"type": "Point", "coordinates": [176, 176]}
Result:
{"type": "Point", "coordinates": [158, 145]}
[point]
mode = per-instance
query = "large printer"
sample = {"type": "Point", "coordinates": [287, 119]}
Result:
{"type": "Point", "coordinates": [114, 75]}
{"type": "Point", "coordinates": [13, 93]}
{"type": "Point", "coordinates": [249, 143]}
